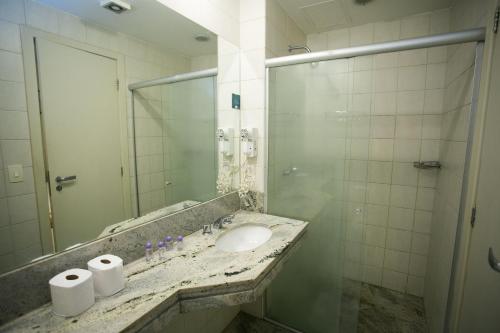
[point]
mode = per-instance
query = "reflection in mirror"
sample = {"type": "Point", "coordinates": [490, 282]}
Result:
{"type": "Point", "coordinates": [67, 159]}
{"type": "Point", "coordinates": [175, 126]}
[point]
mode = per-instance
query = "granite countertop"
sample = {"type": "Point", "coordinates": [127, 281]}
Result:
{"type": "Point", "coordinates": [196, 277]}
{"type": "Point", "coordinates": [120, 226]}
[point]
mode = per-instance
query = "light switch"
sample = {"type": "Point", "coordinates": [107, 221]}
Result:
{"type": "Point", "coordinates": [15, 173]}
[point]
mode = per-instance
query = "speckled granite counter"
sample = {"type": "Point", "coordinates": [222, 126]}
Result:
{"type": "Point", "coordinates": [200, 276]}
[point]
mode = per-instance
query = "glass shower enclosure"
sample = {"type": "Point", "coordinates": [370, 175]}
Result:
{"type": "Point", "coordinates": [175, 143]}
{"type": "Point", "coordinates": [343, 136]}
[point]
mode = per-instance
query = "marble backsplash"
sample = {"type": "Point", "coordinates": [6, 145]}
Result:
{"type": "Point", "coordinates": [26, 288]}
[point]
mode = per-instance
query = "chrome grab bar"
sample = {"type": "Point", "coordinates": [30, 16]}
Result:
{"type": "Point", "coordinates": [427, 164]}
{"type": "Point", "coordinates": [60, 180]}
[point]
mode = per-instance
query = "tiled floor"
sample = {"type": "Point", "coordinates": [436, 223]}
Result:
{"type": "Point", "coordinates": [384, 310]}
{"type": "Point", "coordinates": [375, 309]}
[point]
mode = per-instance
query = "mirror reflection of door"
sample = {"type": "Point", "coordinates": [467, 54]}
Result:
{"type": "Point", "coordinates": [81, 132]}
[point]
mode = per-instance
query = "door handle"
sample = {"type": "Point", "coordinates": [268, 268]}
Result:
{"type": "Point", "coordinates": [494, 263]}
{"type": "Point", "coordinates": [60, 180]}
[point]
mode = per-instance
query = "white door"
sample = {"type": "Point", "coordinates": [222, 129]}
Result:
{"type": "Point", "coordinates": [81, 128]}
{"type": "Point", "coordinates": [481, 302]}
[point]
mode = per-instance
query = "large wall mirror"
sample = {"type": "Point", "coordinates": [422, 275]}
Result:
{"type": "Point", "coordinates": [108, 119]}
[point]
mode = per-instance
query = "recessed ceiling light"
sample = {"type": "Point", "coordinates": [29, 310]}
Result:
{"type": "Point", "coordinates": [116, 6]}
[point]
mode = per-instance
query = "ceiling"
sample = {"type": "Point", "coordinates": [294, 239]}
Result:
{"type": "Point", "coordinates": [148, 20]}
{"type": "Point", "coordinates": [322, 15]}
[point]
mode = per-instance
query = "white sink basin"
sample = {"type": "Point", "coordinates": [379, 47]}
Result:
{"type": "Point", "coordinates": [243, 238]}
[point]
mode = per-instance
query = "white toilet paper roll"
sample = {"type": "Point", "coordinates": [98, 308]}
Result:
{"type": "Point", "coordinates": [72, 292]}
{"type": "Point", "coordinates": [108, 274]}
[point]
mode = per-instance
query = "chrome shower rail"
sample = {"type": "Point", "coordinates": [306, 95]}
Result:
{"type": "Point", "coordinates": [472, 35]}
{"type": "Point", "coordinates": [174, 78]}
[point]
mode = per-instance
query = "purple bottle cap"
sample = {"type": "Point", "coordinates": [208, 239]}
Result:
{"type": "Point", "coordinates": [149, 245]}
{"type": "Point", "coordinates": [180, 238]}
{"type": "Point", "coordinates": [168, 239]}
{"type": "Point", "coordinates": [161, 244]}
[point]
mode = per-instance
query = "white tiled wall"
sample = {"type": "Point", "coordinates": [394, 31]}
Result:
{"type": "Point", "coordinates": [396, 105]}
{"type": "Point", "coordinates": [252, 78]}
{"type": "Point", "coordinates": [281, 31]}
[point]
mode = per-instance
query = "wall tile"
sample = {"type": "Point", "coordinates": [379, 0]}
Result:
{"type": "Point", "coordinates": [361, 35]}
{"type": "Point", "coordinates": [415, 26]}
{"type": "Point", "coordinates": [420, 243]}
{"type": "Point", "coordinates": [378, 193]}
{"type": "Point", "coordinates": [401, 218]}
{"type": "Point", "coordinates": [14, 125]}
{"type": "Point", "coordinates": [435, 78]}
{"type": "Point", "coordinates": [394, 280]}
{"type": "Point", "coordinates": [384, 103]}
{"type": "Point", "coordinates": [410, 102]}
{"type": "Point", "coordinates": [403, 196]}
{"type": "Point", "coordinates": [375, 236]}
{"type": "Point", "coordinates": [412, 57]}
{"type": "Point", "coordinates": [406, 150]}
{"type": "Point", "coordinates": [425, 198]}
{"type": "Point", "coordinates": [22, 208]}
{"type": "Point", "coordinates": [376, 214]}
{"type": "Point", "coordinates": [404, 174]}
{"type": "Point", "coordinates": [12, 96]}
{"type": "Point", "coordinates": [386, 31]}
{"type": "Point", "coordinates": [6, 245]}
{"type": "Point", "coordinates": [415, 285]}
{"type": "Point", "coordinates": [11, 66]}
{"type": "Point", "coordinates": [382, 127]}
{"type": "Point", "coordinates": [398, 240]}
{"type": "Point", "coordinates": [253, 33]}
{"type": "Point", "coordinates": [411, 77]}
{"type": "Point", "coordinates": [16, 152]}
{"type": "Point", "coordinates": [379, 172]}
{"type": "Point", "coordinates": [10, 39]}
{"type": "Point", "coordinates": [381, 149]}
{"type": "Point", "coordinates": [418, 265]}
{"type": "Point", "coordinates": [409, 127]}
{"type": "Point", "coordinates": [433, 101]}
{"type": "Point", "coordinates": [423, 220]}
{"type": "Point", "coordinates": [397, 261]}
{"type": "Point", "coordinates": [372, 275]}
{"type": "Point", "coordinates": [336, 39]}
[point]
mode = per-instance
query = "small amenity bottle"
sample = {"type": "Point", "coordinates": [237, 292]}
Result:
{"type": "Point", "coordinates": [149, 251]}
{"type": "Point", "coordinates": [161, 250]}
{"type": "Point", "coordinates": [180, 243]}
{"type": "Point", "coordinates": [168, 243]}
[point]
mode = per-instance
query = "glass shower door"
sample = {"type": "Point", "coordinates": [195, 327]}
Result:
{"type": "Point", "coordinates": [189, 145]}
{"type": "Point", "coordinates": [175, 138]}
{"type": "Point", "coordinates": [308, 179]}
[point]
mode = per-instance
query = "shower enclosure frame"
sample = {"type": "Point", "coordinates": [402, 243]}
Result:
{"type": "Point", "coordinates": [465, 36]}
{"type": "Point", "coordinates": [211, 72]}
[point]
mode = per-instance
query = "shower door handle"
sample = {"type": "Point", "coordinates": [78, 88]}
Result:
{"type": "Point", "coordinates": [494, 263]}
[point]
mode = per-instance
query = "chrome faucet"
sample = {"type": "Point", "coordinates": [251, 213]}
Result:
{"type": "Point", "coordinates": [207, 229]}
{"type": "Point", "coordinates": [221, 221]}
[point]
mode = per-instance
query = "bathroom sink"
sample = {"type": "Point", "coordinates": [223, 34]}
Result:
{"type": "Point", "coordinates": [243, 238]}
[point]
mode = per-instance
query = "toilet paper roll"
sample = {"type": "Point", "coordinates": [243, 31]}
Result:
{"type": "Point", "coordinates": [108, 274]}
{"type": "Point", "coordinates": [72, 292]}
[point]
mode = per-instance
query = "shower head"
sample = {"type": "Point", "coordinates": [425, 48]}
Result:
{"type": "Point", "coordinates": [292, 48]}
